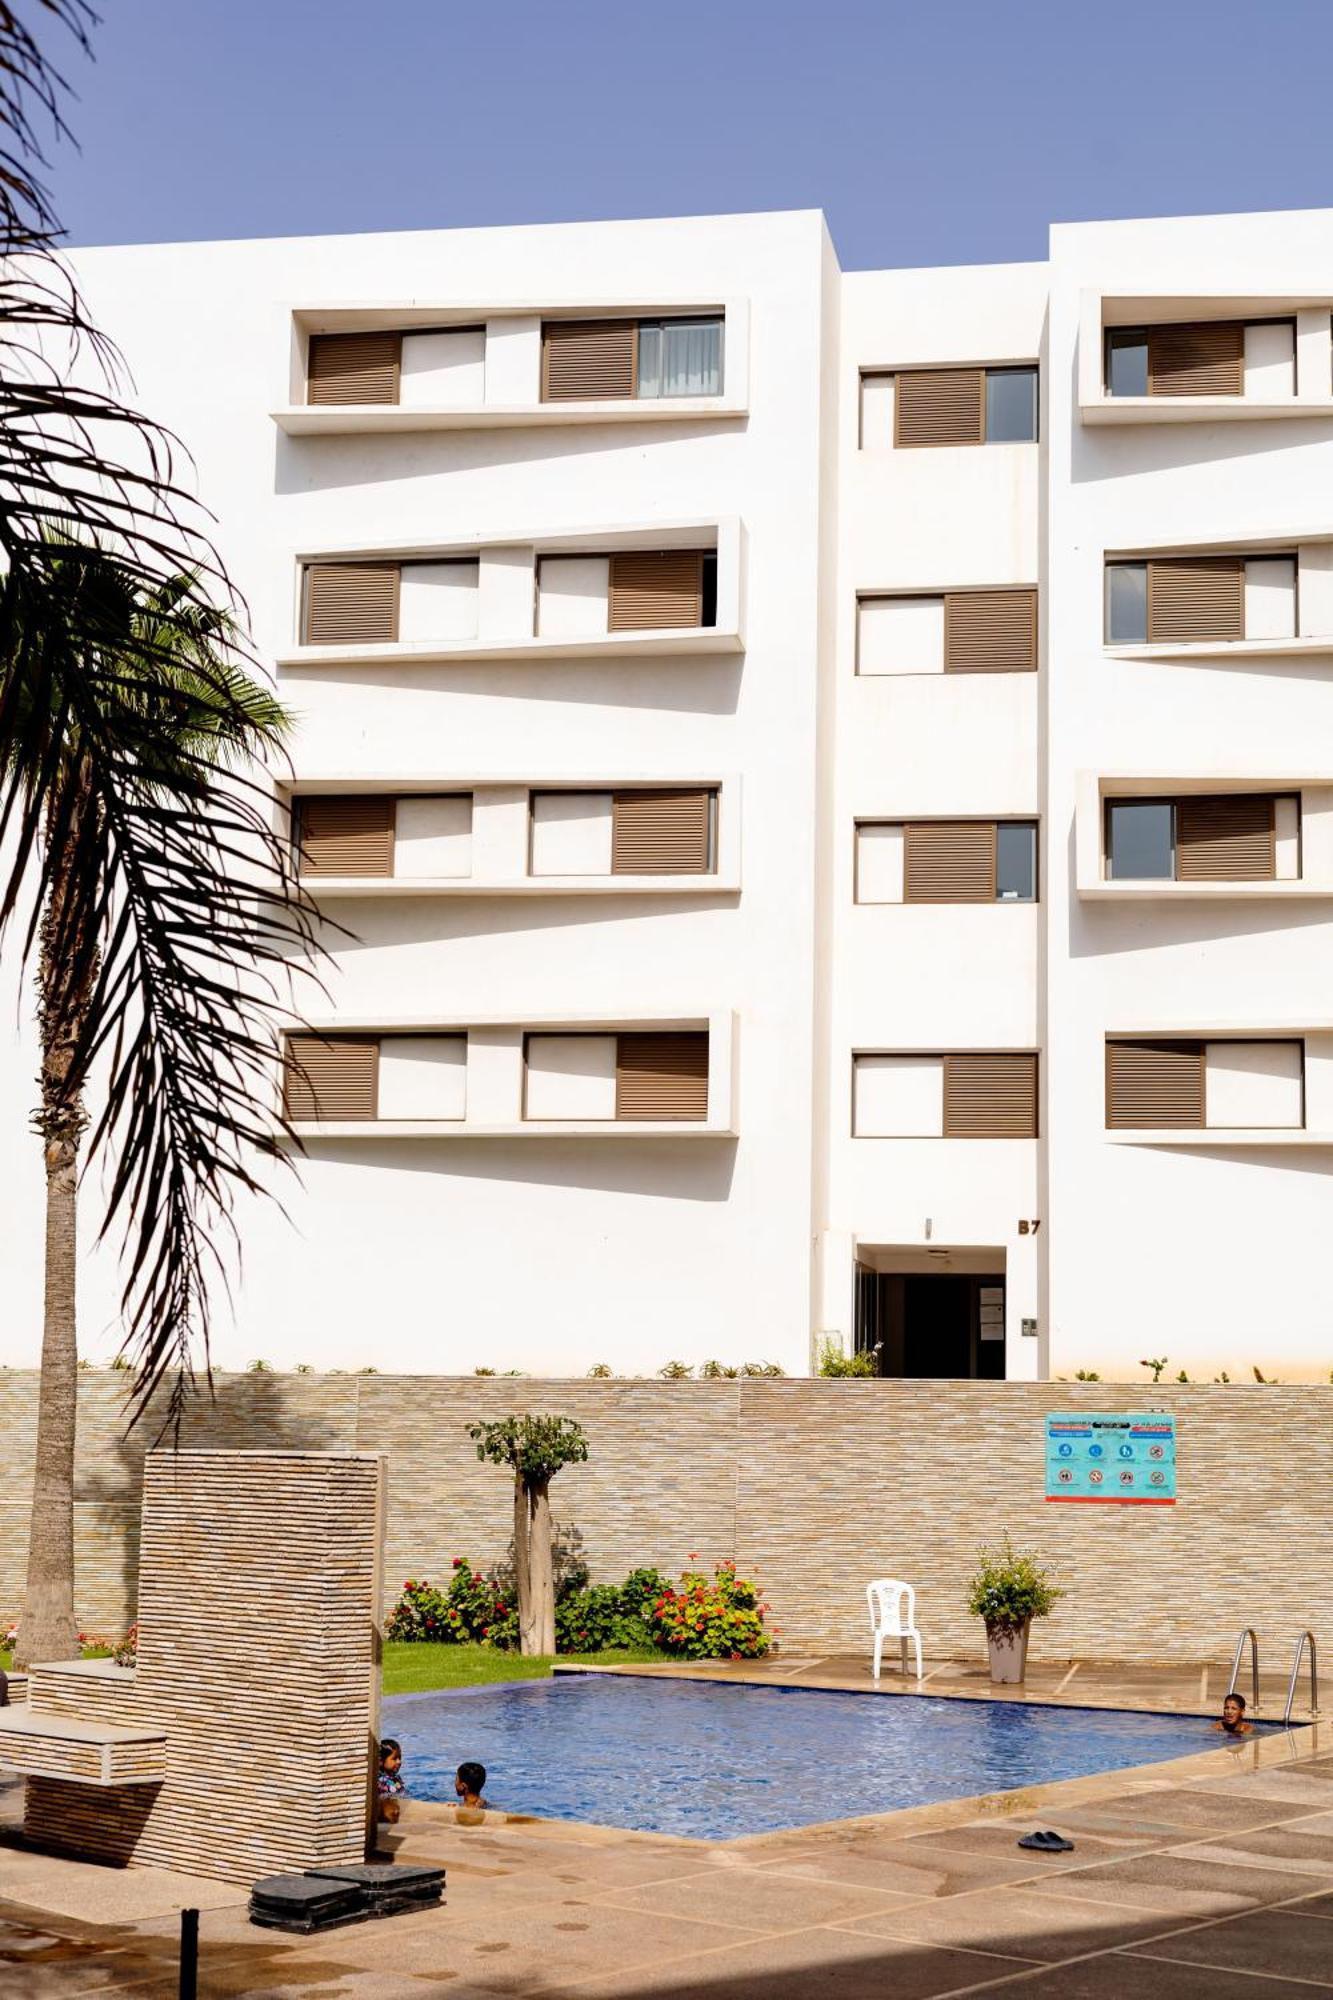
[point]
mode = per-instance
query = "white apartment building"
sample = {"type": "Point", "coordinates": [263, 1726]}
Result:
{"type": "Point", "coordinates": [822, 786]}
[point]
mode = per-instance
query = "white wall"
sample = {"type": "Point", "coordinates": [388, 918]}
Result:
{"type": "Point", "coordinates": [1212, 1255]}
{"type": "Point", "coordinates": [910, 741]}
{"type": "Point", "coordinates": [541, 1252]}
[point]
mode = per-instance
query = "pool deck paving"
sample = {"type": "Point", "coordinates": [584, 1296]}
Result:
{"type": "Point", "coordinates": [1208, 1876]}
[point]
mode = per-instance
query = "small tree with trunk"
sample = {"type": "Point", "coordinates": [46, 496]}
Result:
{"type": "Point", "coordinates": [534, 1448]}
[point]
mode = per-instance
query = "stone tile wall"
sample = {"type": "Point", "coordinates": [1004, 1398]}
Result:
{"type": "Point", "coordinates": [816, 1485]}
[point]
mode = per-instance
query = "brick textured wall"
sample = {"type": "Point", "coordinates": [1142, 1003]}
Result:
{"type": "Point", "coordinates": [818, 1485]}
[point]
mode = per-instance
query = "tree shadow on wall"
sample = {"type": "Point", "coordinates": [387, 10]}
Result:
{"type": "Point", "coordinates": [246, 1412]}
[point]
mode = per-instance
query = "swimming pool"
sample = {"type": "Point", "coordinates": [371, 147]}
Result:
{"type": "Point", "coordinates": [714, 1762]}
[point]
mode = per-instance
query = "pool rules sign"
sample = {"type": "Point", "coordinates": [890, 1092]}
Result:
{"type": "Point", "coordinates": [1126, 1461]}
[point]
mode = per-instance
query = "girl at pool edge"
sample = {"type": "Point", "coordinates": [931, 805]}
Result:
{"type": "Point", "coordinates": [389, 1787]}
{"type": "Point", "coordinates": [1233, 1721]}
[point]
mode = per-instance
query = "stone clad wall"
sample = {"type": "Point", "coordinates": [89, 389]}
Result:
{"type": "Point", "coordinates": [816, 1485]}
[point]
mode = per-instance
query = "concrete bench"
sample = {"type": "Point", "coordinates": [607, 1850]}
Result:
{"type": "Point", "coordinates": [78, 1752]}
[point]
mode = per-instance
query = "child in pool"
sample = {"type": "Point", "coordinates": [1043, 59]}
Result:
{"type": "Point", "coordinates": [389, 1787]}
{"type": "Point", "coordinates": [1233, 1721]}
{"type": "Point", "coordinates": [470, 1785]}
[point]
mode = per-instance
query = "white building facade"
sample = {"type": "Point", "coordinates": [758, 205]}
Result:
{"type": "Point", "coordinates": [820, 782]}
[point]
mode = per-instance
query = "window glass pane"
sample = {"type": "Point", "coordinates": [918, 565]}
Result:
{"type": "Point", "coordinates": [1015, 863]}
{"type": "Point", "coordinates": [1140, 843]}
{"type": "Point", "coordinates": [680, 357]}
{"type": "Point", "coordinates": [1126, 604]}
{"type": "Point", "coordinates": [709, 591]}
{"type": "Point", "coordinates": [1011, 405]}
{"type": "Point", "coordinates": [1127, 364]}
{"type": "Point", "coordinates": [650, 361]}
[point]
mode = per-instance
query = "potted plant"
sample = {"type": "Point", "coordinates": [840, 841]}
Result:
{"type": "Point", "coordinates": [1008, 1591]}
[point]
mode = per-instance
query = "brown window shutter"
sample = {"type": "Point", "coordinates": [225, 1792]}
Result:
{"type": "Point", "coordinates": [331, 1078]}
{"type": "Point", "coordinates": [939, 406]}
{"type": "Point", "coordinates": [949, 861]}
{"type": "Point", "coordinates": [354, 367]}
{"type": "Point", "coordinates": [661, 1076]}
{"type": "Point", "coordinates": [589, 360]}
{"type": "Point", "coordinates": [351, 603]}
{"type": "Point", "coordinates": [346, 836]}
{"type": "Point", "coordinates": [1204, 359]}
{"type": "Point", "coordinates": [661, 831]}
{"type": "Point", "coordinates": [990, 1096]}
{"type": "Point", "coordinates": [1196, 597]}
{"type": "Point", "coordinates": [990, 632]}
{"type": "Point", "coordinates": [656, 590]}
{"type": "Point", "coordinates": [1154, 1084]}
{"type": "Point", "coordinates": [1226, 839]}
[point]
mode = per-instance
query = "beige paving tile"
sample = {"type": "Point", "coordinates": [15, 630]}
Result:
{"type": "Point", "coordinates": [998, 1841]}
{"type": "Point", "coordinates": [1290, 1848]}
{"type": "Point", "coordinates": [1265, 1941]}
{"type": "Point", "coordinates": [531, 1951]}
{"type": "Point", "coordinates": [1179, 1883]}
{"type": "Point", "coordinates": [1117, 1977]}
{"type": "Point", "coordinates": [97, 1894]}
{"type": "Point", "coordinates": [1022, 1923]}
{"type": "Point", "coordinates": [810, 1965]}
{"type": "Point", "coordinates": [759, 1898]}
{"type": "Point", "coordinates": [1194, 1805]}
{"type": "Point", "coordinates": [925, 1871]}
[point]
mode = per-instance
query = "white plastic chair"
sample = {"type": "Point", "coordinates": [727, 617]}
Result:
{"type": "Point", "coordinates": [888, 1599]}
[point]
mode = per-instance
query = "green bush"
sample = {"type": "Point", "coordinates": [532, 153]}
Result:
{"type": "Point", "coordinates": [1010, 1587]}
{"type": "Point", "coordinates": [471, 1608]}
{"type": "Point", "coordinates": [833, 1362]}
{"type": "Point", "coordinates": [717, 1618]}
{"type": "Point", "coordinates": [589, 1618]}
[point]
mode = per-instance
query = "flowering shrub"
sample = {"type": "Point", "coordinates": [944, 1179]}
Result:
{"type": "Point", "coordinates": [470, 1608]}
{"type": "Point", "coordinates": [126, 1653]}
{"type": "Point", "coordinates": [1009, 1587]}
{"type": "Point", "coordinates": [717, 1619]}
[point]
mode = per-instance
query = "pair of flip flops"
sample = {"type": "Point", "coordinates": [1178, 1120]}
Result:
{"type": "Point", "coordinates": [1047, 1842]}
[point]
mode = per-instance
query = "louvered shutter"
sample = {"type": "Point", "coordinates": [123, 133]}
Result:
{"type": "Point", "coordinates": [656, 590]}
{"type": "Point", "coordinates": [1226, 839]}
{"type": "Point", "coordinates": [346, 836]}
{"type": "Point", "coordinates": [989, 1095]}
{"type": "Point", "coordinates": [351, 603]}
{"type": "Point", "coordinates": [331, 1078]}
{"type": "Point", "coordinates": [1205, 359]}
{"type": "Point", "coordinates": [354, 367]}
{"type": "Point", "coordinates": [1196, 597]}
{"type": "Point", "coordinates": [1151, 1085]}
{"type": "Point", "coordinates": [990, 632]}
{"type": "Point", "coordinates": [589, 360]}
{"type": "Point", "coordinates": [934, 406]}
{"type": "Point", "coordinates": [662, 1076]}
{"type": "Point", "coordinates": [949, 861]}
{"type": "Point", "coordinates": [661, 831]}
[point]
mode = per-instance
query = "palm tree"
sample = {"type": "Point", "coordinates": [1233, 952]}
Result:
{"type": "Point", "coordinates": [158, 669]}
{"type": "Point", "coordinates": [140, 868]}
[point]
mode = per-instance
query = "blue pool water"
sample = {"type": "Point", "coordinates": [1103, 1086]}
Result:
{"type": "Point", "coordinates": [715, 1762]}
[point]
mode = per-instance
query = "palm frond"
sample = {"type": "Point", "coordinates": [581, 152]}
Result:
{"type": "Point", "coordinates": [127, 701]}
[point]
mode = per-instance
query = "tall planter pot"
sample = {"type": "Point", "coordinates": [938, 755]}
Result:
{"type": "Point", "coordinates": [1008, 1648]}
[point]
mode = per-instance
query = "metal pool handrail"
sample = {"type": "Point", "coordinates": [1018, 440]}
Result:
{"type": "Point", "coordinates": [1306, 1639]}
{"type": "Point", "coordinates": [1250, 1634]}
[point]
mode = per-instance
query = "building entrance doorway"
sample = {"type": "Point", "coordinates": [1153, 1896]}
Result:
{"type": "Point", "coordinates": [942, 1324]}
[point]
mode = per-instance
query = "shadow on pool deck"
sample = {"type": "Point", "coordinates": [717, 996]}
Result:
{"type": "Point", "coordinates": [1209, 1879]}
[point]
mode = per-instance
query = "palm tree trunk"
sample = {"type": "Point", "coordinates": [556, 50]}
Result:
{"type": "Point", "coordinates": [541, 1577]}
{"type": "Point", "coordinates": [48, 1629]}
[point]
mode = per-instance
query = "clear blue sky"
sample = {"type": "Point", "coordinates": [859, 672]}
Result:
{"type": "Point", "coordinates": [930, 133]}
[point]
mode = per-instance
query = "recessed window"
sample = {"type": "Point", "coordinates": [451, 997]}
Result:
{"type": "Point", "coordinates": [680, 357]}
{"type": "Point", "coordinates": [1140, 840]}
{"type": "Point", "coordinates": [1011, 405]}
{"type": "Point", "coordinates": [1015, 862]}
{"type": "Point", "coordinates": [1127, 362]}
{"type": "Point", "coordinates": [1126, 603]}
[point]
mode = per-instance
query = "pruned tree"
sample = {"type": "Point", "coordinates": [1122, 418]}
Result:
{"type": "Point", "coordinates": [535, 1449]}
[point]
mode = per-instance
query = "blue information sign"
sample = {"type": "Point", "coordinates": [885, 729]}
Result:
{"type": "Point", "coordinates": [1129, 1461]}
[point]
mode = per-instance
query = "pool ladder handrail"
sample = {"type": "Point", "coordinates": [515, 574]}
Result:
{"type": "Point", "coordinates": [1306, 1639]}
{"type": "Point", "coordinates": [1253, 1637]}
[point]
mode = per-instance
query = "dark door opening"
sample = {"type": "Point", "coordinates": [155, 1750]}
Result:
{"type": "Point", "coordinates": [940, 1326]}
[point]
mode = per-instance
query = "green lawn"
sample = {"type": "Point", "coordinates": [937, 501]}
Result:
{"type": "Point", "coordinates": [87, 1653]}
{"type": "Point", "coordinates": [412, 1667]}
